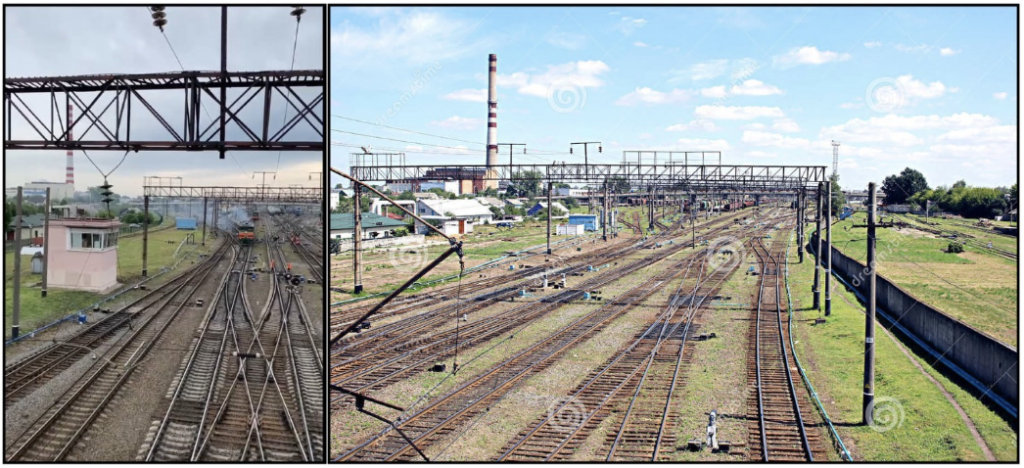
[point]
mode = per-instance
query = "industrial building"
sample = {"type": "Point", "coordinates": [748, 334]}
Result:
{"type": "Point", "coordinates": [58, 190]}
{"type": "Point", "coordinates": [373, 226]}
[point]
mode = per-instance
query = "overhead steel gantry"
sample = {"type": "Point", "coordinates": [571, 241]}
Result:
{"type": "Point", "coordinates": [696, 177]}
{"type": "Point", "coordinates": [108, 106]}
{"type": "Point", "coordinates": [266, 195]}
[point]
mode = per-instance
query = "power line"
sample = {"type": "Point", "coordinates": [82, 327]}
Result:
{"type": "Point", "coordinates": [166, 39]}
{"type": "Point", "coordinates": [295, 45]}
{"type": "Point", "coordinates": [540, 151]}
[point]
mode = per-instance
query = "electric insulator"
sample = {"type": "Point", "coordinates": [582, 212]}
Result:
{"type": "Point", "coordinates": [156, 8]}
{"type": "Point", "coordinates": [598, 149]}
{"type": "Point", "coordinates": [159, 15]}
{"type": "Point", "coordinates": [570, 150]}
{"type": "Point", "coordinates": [297, 12]}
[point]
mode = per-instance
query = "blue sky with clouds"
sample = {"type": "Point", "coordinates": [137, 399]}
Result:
{"type": "Point", "coordinates": [933, 88]}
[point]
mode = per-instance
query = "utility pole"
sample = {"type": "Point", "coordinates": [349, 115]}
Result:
{"type": "Point", "coordinates": [46, 239]}
{"type": "Point", "coordinates": [869, 330]}
{"type": "Point", "coordinates": [510, 145]}
{"type": "Point", "coordinates": [15, 326]}
{"type": "Point", "coordinates": [835, 158]}
{"type": "Point", "coordinates": [550, 185]}
{"type": "Point", "coordinates": [800, 200]}
{"type": "Point", "coordinates": [357, 237]}
{"type": "Point", "coordinates": [204, 220]}
{"type": "Point", "coordinates": [586, 159]}
{"type": "Point", "coordinates": [817, 251]}
{"type": "Point", "coordinates": [828, 252]}
{"type": "Point", "coordinates": [605, 216]}
{"type": "Point", "coordinates": [145, 232]}
{"type": "Point", "coordinates": [264, 184]}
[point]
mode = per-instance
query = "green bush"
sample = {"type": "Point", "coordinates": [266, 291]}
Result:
{"type": "Point", "coordinates": [401, 232]}
{"type": "Point", "coordinates": [955, 247]}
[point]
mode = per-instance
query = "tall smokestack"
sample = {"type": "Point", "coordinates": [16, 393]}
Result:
{"type": "Point", "coordinates": [70, 176]}
{"type": "Point", "coordinates": [492, 123]}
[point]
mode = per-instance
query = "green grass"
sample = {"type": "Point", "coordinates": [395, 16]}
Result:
{"type": "Point", "coordinates": [833, 355]}
{"type": "Point", "coordinates": [37, 311]}
{"type": "Point", "coordinates": [978, 288]}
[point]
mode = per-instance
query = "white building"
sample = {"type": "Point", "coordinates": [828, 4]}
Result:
{"type": "Point", "coordinates": [466, 212]}
{"type": "Point", "coordinates": [58, 190]}
{"type": "Point", "coordinates": [571, 192]}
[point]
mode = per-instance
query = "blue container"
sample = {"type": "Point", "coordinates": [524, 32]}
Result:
{"type": "Point", "coordinates": [589, 222]}
{"type": "Point", "coordinates": [185, 223]}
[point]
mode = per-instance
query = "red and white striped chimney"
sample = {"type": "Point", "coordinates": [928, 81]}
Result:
{"type": "Point", "coordinates": [71, 160]}
{"type": "Point", "coordinates": [492, 122]}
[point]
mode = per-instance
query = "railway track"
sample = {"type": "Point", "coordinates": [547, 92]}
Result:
{"type": "Point", "coordinates": [962, 237]}
{"type": "Point", "coordinates": [55, 434]}
{"type": "Point", "coordinates": [777, 429]}
{"type": "Point", "coordinates": [252, 388]}
{"type": "Point", "coordinates": [401, 349]}
{"type": "Point", "coordinates": [451, 411]}
{"type": "Point", "coordinates": [36, 370]}
{"type": "Point", "coordinates": [633, 389]}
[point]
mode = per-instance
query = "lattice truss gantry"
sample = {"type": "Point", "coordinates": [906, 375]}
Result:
{"type": "Point", "coordinates": [179, 111]}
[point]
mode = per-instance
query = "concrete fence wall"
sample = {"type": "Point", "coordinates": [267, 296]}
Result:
{"type": "Point", "coordinates": [988, 360]}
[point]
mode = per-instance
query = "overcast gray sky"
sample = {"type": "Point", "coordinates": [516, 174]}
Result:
{"type": "Point", "coordinates": [50, 41]}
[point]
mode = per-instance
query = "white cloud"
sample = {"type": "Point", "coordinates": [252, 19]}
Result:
{"type": "Point", "coordinates": [946, 51]}
{"type": "Point", "coordinates": [896, 129]}
{"type": "Point", "coordinates": [996, 145]}
{"type": "Point", "coordinates": [566, 40]}
{"type": "Point", "coordinates": [640, 44]}
{"type": "Point", "coordinates": [459, 123]}
{"type": "Point", "coordinates": [914, 49]}
{"type": "Point", "coordinates": [582, 74]}
{"type": "Point", "coordinates": [471, 95]}
{"type": "Point", "coordinates": [999, 96]}
{"type": "Point", "coordinates": [916, 89]}
{"type": "Point", "coordinates": [872, 45]}
{"type": "Point", "coordinates": [698, 144]}
{"type": "Point", "coordinates": [627, 25]}
{"type": "Point", "coordinates": [737, 69]}
{"type": "Point", "coordinates": [785, 125]}
{"type": "Point", "coordinates": [736, 112]}
{"type": "Point", "coordinates": [413, 148]}
{"type": "Point", "coordinates": [810, 55]}
{"type": "Point", "coordinates": [694, 125]}
{"type": "Point", "coordinates": [417, 37]}
{"type": "Point", "coordinates": [754, 126]}
{"type": "Point", "coordinates": [755, 88]}
{"type": "Point", "coordinates": [650, 96]}
{"type": "Point", "coordinates": [776, 140]}
{"type": "Point", "coordinates": [760, 154]}
{"type": "Point", "coordinates": [714, 92]}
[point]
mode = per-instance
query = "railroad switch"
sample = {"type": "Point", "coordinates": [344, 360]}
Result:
{"type": "Point", "coordinates": [819, 321]}
{"type": "Point", "coordinates": [199, 302]}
